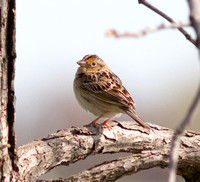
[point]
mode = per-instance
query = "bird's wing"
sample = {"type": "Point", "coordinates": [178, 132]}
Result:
{"type": "Point", "coordinates": [107, 87]}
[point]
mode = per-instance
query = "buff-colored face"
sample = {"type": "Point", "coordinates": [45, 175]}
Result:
{"type": "Point", "coordinates": [91, 63]}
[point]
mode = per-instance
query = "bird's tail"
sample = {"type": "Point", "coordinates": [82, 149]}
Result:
{"type": "Point", "coordinates": [133, 115]}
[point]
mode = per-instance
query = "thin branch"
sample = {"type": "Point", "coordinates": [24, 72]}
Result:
{"type": "Point", "coordinates": [195, 21]}
{"type": "Point", "coordinates": [177, 138]}
{"type": "Point", "coordinates": [146, 31]}
{"type": "Point", "coordinates": [195, 17]}
{"type": "Point", "coordinates": [184, 32]}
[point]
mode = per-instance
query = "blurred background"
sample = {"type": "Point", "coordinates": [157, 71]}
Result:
{"type": "Point", "coordinates": [160, 70]}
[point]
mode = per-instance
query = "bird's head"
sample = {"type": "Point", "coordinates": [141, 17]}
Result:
{"type": "Point", "coordinates": [91, 63]}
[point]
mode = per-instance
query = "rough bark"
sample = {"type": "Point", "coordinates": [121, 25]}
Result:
{"type": "Point", "coordinates": [7, 96]}
{"type": "Point", "coordinates": [150, 150]}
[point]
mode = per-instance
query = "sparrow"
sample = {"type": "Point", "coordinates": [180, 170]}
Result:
{"type": "Point", "coordinates": [101, 92]}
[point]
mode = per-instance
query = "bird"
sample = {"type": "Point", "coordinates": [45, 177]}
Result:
{"type": "Point", "coordinates": [101, 92]}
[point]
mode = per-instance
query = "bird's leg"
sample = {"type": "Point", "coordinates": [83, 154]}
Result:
{"type": "Point", "coordinates": [105, 123]}
{"type": "Point", "coordinates": [94, 121]}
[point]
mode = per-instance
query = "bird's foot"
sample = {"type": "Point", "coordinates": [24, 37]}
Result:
{"type": "Point", "coordinates": [105, 123]}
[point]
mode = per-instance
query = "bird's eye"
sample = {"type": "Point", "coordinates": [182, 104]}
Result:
{"type": "Point", "coordinates": [93, 64]}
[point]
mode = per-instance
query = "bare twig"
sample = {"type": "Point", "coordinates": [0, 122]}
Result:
{"type": "Point", "coordinates": [195, 21]}
{"type": "Point", "coordinates": [177, 137]}
{"type": "Point", "coordinates": [146, 31]}
{"type": "Point", "coordinates": [184, 32]}
{"type": "Point", "coordinates": [195, 17]}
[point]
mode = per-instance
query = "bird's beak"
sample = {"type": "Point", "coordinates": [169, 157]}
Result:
{"type": "Point", "coordinates": [82, 63]}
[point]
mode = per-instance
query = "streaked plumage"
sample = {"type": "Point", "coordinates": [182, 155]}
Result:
{"type": "Point", "coordinates": [101, 92]}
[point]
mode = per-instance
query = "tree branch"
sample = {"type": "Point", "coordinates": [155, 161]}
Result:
{"type": "Point", "coordinates": [195, 17]}
{"type": "Point", "coordinates": [113, 170]}
{"type": "Point", "coordinates": [177, 138]}
{"type": "Point", "coordinates": [7, 94]}
{"type": "Point", "coordinates": [145, 31]}
{"type": "Point", "coordinates": [69, 146]}
{"type": "Point", "coordinates": [169, 19]}
{"type": "Point", "coordinates": [195, 21]}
